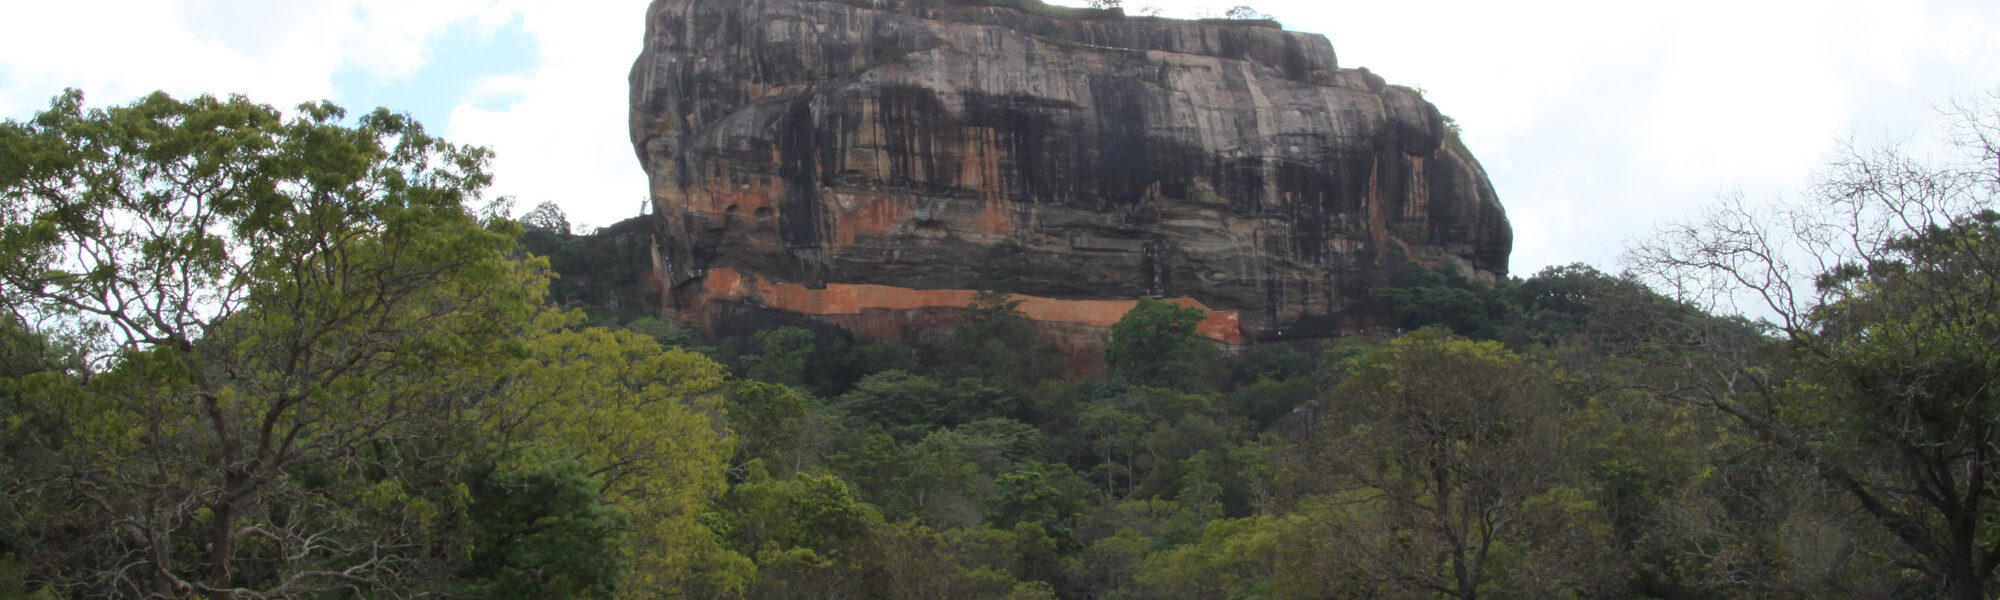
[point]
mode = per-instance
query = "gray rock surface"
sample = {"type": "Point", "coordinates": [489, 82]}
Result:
{"type": "Point", "coordinates": [923, 145]}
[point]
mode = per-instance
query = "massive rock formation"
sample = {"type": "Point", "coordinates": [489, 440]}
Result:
{"type": "Point", "coordinates": [867, 162]}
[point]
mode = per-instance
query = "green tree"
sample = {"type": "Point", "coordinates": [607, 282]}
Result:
{"type": "Point", "coordinates": [1044, 494]}
{"type": "Point", "coordinates": [1154, 344]}
{"type": "Point", "coordinates": [771, 423]}
{"type": "Point", "coordinates": [43, 415]}
{"type": "Point", "coordinates": [267, 294]}
{"type": "Point", "coordinates": [978, 562]}
{"type": "Point", "coordinates": [633, 417]}
{"type": "Point", "coordinates": [1422, 485]}
{"type": "Point", "coordinates": [906, 404]}
{"type": "Point", "coordinates": [781, 356]}
{"type": "Point", "coordinates": [1233, 560]}
{"type": "Point", "coordinates": [809, 535]}
{"type": "Point", "coordinates": [542, 534]}
{"type": "Point", "coordinates": [308, 368]}
{"type": "Point", "coordinates": [1420, 297]}
{"type": "Point", "coordinates": [995, 342]}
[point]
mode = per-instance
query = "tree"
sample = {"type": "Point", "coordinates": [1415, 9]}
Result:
{"type": "Point", "coordinates": [1441, 473]}
{"type": "Point", "coordinates": [307, 368]}
{"type": "Point", "coordinates": [781, 356]}
{"type": "Point", "coordinates": [1043, 494]}
{"type": "Point", "coordinates": [907, 404]}
{"type": "Point", "coordinates": [994, 341]}
{"type": "Point", "coordinates": [547, 217]}
{"type": "Point", "coordinates": [770, 423]}
{"type": "Point", "coordinates": [633, 418]}
{"type": "Point", "coordinates": [1245, 13]}
{"type": "Point", "coordinates": [808, 533]}
{"type": "Point", "coordinates": [1422, 297]}
{"type": "Point", "coordinates": [963, 563]}
{"type": "Point", "coordinates": [267, 294]}
{"type": "Point", "coordinates": [1233, 559]}
{"type": "Point", "coordinates": [542, 533]}
{"type": "Point", "coordinates": [1883, 286]}
{"type": "Point", "coordinates": [1154, 344]}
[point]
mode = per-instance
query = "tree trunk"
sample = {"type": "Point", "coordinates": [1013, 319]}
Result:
{"type": "Point", "coordinates": [1967, 585]}
{"type": "Point", "coordinates": [222, 535]}
{"type": "Point", "coordinates": [221, 544]}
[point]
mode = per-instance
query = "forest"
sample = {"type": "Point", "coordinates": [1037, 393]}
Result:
{"type": "Point", "coordinates": [252, 353]}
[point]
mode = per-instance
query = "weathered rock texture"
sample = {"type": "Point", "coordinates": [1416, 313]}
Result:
{"type": "Point", "coordinates": [867, 161]}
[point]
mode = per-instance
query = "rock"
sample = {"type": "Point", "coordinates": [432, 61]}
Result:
{"type": "Point", "coordinates": [868, 162]}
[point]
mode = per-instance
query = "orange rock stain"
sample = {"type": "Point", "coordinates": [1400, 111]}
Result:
{"type": "Point", "coordinates": [981, 169]}
{"type": "Point", "coordinates": [841, 299]}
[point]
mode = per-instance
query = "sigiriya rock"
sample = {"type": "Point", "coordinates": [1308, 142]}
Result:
{"type": "Point", "coordinates": [870, 163]}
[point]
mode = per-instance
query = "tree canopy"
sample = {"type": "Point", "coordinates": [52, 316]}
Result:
{"type": "Point", "coordinates": [294, 336]}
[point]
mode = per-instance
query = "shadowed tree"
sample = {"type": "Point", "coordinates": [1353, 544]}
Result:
{"type": "Point", "coordinates": [1440, 472]}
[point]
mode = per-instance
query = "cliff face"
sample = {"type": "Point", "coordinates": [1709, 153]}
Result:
{"type": "Point", "coordinates": [868, 161]}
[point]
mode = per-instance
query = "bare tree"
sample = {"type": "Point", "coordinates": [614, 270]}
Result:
{"type": "Point", "coordinates": [1882, 285]}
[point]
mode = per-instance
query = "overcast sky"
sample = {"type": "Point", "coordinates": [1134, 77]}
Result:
{"type": "Point", "coordinates": [1596, 120]}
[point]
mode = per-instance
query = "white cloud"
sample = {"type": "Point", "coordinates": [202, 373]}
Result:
{"type": "Point", "coordinates": [280, 53]}
{"type": "Point", "coordinates": [564, 136]}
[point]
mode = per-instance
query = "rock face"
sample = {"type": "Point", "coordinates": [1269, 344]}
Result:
{"type": "Point", "coordinates": [867, 162]}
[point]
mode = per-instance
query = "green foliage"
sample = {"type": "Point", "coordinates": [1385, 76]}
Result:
{"type": "Point", "coordinates": [897, 400]}
{"type": "Point", "coordinates": [807, 534]}
{"type": "Point", "coordinates": [255, 356]}
{"type": "Point", "coordinates": [1442, 470]}
{"type": "Point", "coordinates": [546, 219]}
{"type": "Point", "coordinates": [871, 460]}
{"type": "Point", "coordinates": [1155, 344]}
{"type": "Point", "coordinates": [1267, 400]}
{"type": "Point", "coordinates": [634, 416]}
{"type": "Point", "coordinates": [1233, 560]}
{"type": "Point", "coordinates": [771, 424]}
{"type": "Point", "coordinates": [981, 562]}
{"type": "Point", "coordinates": [1272, 361]}
{"type": "Point", "coordinates": [780, 356]}
{"type": "Point", "coordinates": [1420, 297]}
{"type": "Point", "coordinates": [542, 534]}
{"type": "Point", "coordinates": [1043, 494]}
{"type": "Point", "coordinates": [886, 355]}
{"type": "Point", "coordinates": [263, 293]}
{"type": "Point", "coordinates": [1885, 378]}
{"type": "Point", "coordinates": [908, 405]}
{"type": "Point", "coordinates": [995, 342]}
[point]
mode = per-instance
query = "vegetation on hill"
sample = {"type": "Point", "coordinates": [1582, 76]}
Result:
{"type": "Point", "coordinates": [247, 355]}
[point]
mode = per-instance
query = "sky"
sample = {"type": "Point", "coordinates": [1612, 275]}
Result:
{"type": "Point", "coordinates": [1597, 121]}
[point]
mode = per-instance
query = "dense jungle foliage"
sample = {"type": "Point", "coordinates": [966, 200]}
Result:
{"type": "Point", "coordinates": [249, 355]}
